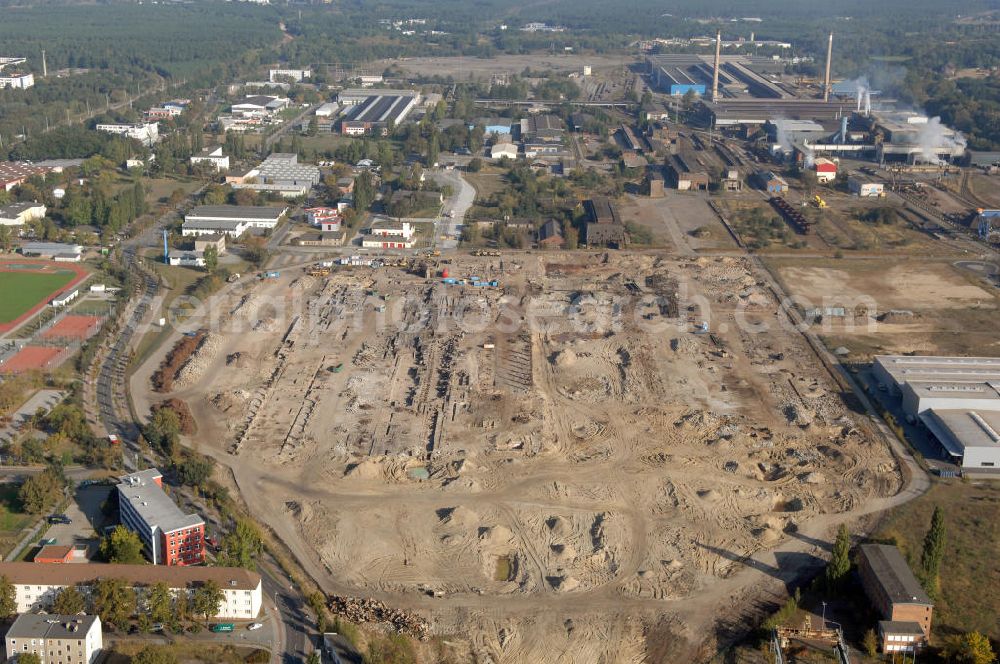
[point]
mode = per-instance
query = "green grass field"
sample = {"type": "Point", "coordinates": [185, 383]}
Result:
{"type": "Point", "coordinates": [971, 565]}
{"type": "Point", "coordinates": [23, 290]}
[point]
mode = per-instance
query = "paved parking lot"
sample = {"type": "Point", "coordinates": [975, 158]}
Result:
{"type": "Point", "coordinates": [87, 519]}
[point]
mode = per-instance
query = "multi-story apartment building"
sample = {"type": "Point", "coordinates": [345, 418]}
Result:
{"type": "Point", "coordinates": [36, 586]}
{"type": "Point", "coordinates": [56, 639]}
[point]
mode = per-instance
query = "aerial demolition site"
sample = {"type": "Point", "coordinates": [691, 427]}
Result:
{"type": "Point", "coordinates": [609, 435]}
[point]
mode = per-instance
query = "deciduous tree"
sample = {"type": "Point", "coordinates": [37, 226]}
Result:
{"type": "Point", "coordinates": [206, 599]}
{"type": "Point", "coordinates": [242, 546]}
{"type": "Point", "coordinates": [122, 546]}
{"type": "Point", "coordinates": [8, 598]}
{"type": "Point", "coordinates": [69, 601]}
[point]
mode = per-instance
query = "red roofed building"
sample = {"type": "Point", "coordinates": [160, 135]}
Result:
{"type": "Point", "coordinates": [14, 173]}
{"type": "Point", "coordinates": [53, 554]}
{"type": "Point", "coordinates": [324, 218]}
{"type": "Point", "coordinates": [826, 170]}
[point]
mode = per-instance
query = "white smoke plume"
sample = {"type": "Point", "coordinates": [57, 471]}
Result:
{"type": "Point", "coordinates": [933, 137]}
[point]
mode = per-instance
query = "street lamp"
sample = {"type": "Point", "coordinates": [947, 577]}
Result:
{"type": "Point", "coordinates": [824, 615]}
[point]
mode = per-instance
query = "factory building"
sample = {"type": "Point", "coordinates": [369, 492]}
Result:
{"type": "Point", "coordinates": [898, 597]}
{"type": "Point", "coordinates": [683, 176]}
{"type": "Point", "coordinates": [826, 170]}
{"type": "Point", "coordinates": [233, 220]}
{"type": "Point", "coordinates": [738, 75]}
{"type": "Point", "coordinates": [542, 129]}
{"type": "Point", "coordinates": [956, 399]}
{"type": "Point", "coordinates": [987, 221]}
{"type": "Point", "coordinates": [771, 182]}
{"type": "Point", "coordinates": [911, 138]}
{"type": "Point", "coordinates": [604, 226]}
{"type": "Point", "coordinates": [377, 113]}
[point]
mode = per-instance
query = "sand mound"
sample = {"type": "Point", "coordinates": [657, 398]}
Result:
{"type": "Point", "coordinates": [565, 358]}
{"type": "Point", "coordinates": [559, 525]}
{"type": "Point", "coordinates": [710, 495]}
{"type": "Point", "coordinates": [460, 516]}
{"type": "Point", "coordinates": [495, 535]}
{"type": "Point", "coordinates": [366, 470]}
{"type": "Point", "coordinates": [563, 551]}
{"type": "Point", "coordinates": [563, 582]}
{"type": "Point", "coordinates": [813, 478]}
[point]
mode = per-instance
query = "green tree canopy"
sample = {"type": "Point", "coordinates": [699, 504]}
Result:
{"type": "Point", "coordinates": [122, 546]}
{"type": "Point", "coordinates": [933, 551]}
{"type": "Point", "coordinates": [242, 546]}
{"type": "Point", "coordinates": [155, 655]}
{"type": "Point", "coordinates": [840, 561]}
{"type": "Point", "coordinates": [8, 597]}
{"type": "Point", "coordinates": [114, 601]}
{"type": "Point", "coordinates": [69, 601]}
{"type": "Point", "coordinates": [970, 648]}
{"type": "Point", "coordinates": [206, 599]}
{"type": "Point", "coordinates": [159, 603]}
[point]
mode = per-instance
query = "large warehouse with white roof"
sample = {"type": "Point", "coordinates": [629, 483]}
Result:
{"type": "Point", "coordinates": [957, 399]}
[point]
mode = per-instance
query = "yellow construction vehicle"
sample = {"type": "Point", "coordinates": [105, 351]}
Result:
{"type": "Point", "coordinates": [819, 202]}
{"type": "Point", "coordinates": [318, 272]}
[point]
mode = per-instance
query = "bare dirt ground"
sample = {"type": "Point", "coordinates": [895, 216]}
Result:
{"type": "Point", "coordinates": [465, 66]}
{"type": "Point", "coordinates": [563, 456]}
{"type": "Point", "coordinates": [915, 305]}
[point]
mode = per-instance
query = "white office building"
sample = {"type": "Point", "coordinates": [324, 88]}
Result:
{"type": "Point", "coordinates": [145, 133]}
{"type": "Point", "coordinates": [297, 75]}
{"type": "Point", "coordinates": [213, 156]}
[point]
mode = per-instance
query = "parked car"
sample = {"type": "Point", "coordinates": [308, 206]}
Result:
{"type": "Point", "coordinates": [60, 518]}
{"type": "Point", "coordinates": [254, 626]}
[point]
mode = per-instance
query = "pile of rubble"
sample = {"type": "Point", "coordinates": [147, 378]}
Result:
{"type": "Point", "coordinates": [196, 365]}
{"type": "Point", "coordinates": [367, 610]}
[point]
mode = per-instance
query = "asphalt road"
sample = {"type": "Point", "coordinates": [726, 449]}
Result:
{"type": "Point", "coordinates": [461, 200]}
{"type": "Point", "coordinates": [293, 632]}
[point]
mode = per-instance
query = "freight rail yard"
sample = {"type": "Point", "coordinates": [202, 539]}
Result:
{"type": "Point", "coordinates": [611, 433]}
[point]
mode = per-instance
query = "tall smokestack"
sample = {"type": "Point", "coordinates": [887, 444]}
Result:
{"type": "Point", "coordinates": [868, 103]}
{"type": "Point", "coordinates": [45, 68]}
{"type": "Point", "coordinates": [829, 57]}
{"type": "Point", "coordinates": [715, 70]}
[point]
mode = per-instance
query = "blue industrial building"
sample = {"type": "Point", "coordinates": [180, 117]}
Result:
{"type": "Point", "coordinates": [681, 89]}
{"type": "Point", "coordinates": [500, 126]}
{"type": "Point", "coordinates": [989, 220]}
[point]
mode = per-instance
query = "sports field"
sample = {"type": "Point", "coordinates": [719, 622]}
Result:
{"type": "Point", "coordinates": [26, 286]}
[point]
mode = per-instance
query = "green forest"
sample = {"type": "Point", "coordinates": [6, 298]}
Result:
{"type": "Point", "coordinates": [118, 51]}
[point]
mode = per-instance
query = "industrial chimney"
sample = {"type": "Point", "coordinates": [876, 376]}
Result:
{"type": "Point", "coordinates": [45, 68]}
{"type": "Point", "coordinates": [826, 81]}
{"type": "Point", "coordinates": [715, 70]}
